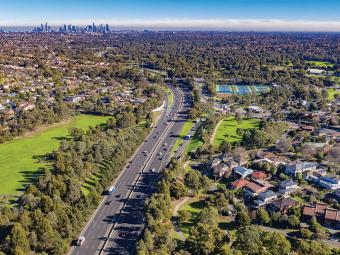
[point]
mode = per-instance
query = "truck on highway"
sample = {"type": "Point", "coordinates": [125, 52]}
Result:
{"type": "Point", "coordinates": [111, 190]}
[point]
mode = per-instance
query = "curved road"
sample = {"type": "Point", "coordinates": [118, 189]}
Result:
{"type": "Point", "coordinates": [117, 223]}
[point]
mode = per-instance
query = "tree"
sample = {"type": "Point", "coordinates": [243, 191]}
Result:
{"type": "Point", "coordinates": [209, 216]}
{"type": "Point", "coordinates": [308, 152]}
{"type": "Point", "coordinates": [204, 239]}
{"type": "Point", "coordinates": [293, 221]}
{"type": "Point", "coordinates": [305, 233]}
{"type": "Point", "coordinates": [192, 180]}
{"type": "Point", "coordinates": [284, 145]}
{"type": "Point", "coordinates": [275, 243]}
{"type": "Point", "coordinates": [262, 216]}
{"type": "Point", "coordinates": [248, 240]}
{"type": "Point", "coordinates": [334, 155]}
{"type": "Point", "coordinates": [225, 147]}
{"type": "Point", "coordinates": [184, 215]}
{"type": "Point", "coordinates": [312, 248]}
{"type": "Point", "coordinates": [240, 132]}
{"type": "Point", "coordinates": [18, 239]}
{"type": "Point", "coordinates": [242, 219]}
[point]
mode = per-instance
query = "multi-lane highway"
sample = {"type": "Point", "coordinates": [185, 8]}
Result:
{"type": "Point", "coordinates": [117, 223]}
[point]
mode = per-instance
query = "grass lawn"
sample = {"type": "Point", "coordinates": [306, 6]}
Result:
{"type": "Point", "coordinates": [19, 158]}
{"type": "Point", "coordinates": [299, 199]}
{"type": "Point", "coordinates": [320, 63]}
{"type": "Point", "coordinates": [226, 129]}
{"type": "Point", "coordinates": [331, 93]}
{"type": "Point", "coordinates": [194, 206]}
{"type": "Point", "coordinates": [185, 130]}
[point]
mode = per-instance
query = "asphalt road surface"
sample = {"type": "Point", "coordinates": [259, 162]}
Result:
{"type": "Point", "coordinates": [118, 222]}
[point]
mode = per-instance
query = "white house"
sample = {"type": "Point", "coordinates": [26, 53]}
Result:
{"type": "Point", "coordinates": [287, 187]}
{"type": "Point", "coordinates": [300, 167]}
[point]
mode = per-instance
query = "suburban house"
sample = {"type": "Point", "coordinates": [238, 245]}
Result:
{"type": "Point", "coordinates": [74, 99]}
{"type": "Point", "coordinates": [332, 183]}
{"type": "Point", "coordinates": [329, 216]}
{"type": "Point", "coordinates": [259, 175]}
{"type": "Point", "coordinates": [214, 162]}
{"type": "Point", "coordinates": [287, 187]}
{"type": "Point", "coordinates": [242, 171]}
{"type": "Point", "coordinates": [282, 205]}
{"type": "Point", "coordinates": [239, 184]}
{"type": "Point", "coordinates": [220, 170]}
{"type": "Point", "coordinates": [265, 197]}
{"type": "Point", "coordinates": [254, 188]}
{"type": "Point", "coordinates": [300, 167]}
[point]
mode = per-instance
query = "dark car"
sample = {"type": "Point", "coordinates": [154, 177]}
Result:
{"type": "Point", "coordinates": [108, 203]}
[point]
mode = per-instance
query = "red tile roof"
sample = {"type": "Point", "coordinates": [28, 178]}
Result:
{"type": "Point", "coordinates": [239, 183]}
{"type": "Point", "coordinates": [254, 187]}
{"type": "Point", "coordinates": [259, 175]}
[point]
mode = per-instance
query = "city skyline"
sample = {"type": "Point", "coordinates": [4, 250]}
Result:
{"type": "Point", "coordinates": [262, 15]}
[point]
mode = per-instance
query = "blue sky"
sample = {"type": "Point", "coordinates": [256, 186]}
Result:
{"type": "Point", "coordinates": [167, 12]}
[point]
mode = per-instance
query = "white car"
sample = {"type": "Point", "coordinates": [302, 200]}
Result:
{"type": "Point", "coordinates": [80, 241]}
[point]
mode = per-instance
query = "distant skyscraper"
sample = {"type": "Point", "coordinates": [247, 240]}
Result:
{"type": "Point", "coordinates": [107, 28]}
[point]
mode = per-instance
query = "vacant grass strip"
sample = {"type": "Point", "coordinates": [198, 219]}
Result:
{"type": "Point", "coordinates": [20, 158]}
{"type": "Point", "coordinates": [193, 145]}
{"type": "Point", "coordinates": [170, 95]}
{"type": "Point", "coordinates": [227, 129]}
{"type": "Point", "coordinates": [155, 117]}
{"type": "Point", "coordinates": [185, 130]}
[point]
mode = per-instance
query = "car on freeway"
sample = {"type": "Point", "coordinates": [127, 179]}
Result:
{"type": "Point", "coordinates": [80, 241]}
{"type": "Point", "coordinates": [108, 203]}
{"type": "Point", "coordinates": [153, 170]}
{"type": "Point", "coordinates": [119, 195]}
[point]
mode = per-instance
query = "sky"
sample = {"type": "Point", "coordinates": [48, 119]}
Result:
{"type": "Point", "coordinates": [290, 15]}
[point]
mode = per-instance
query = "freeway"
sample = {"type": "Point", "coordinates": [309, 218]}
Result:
{"type": "Point", "coordinates": [117, 223]}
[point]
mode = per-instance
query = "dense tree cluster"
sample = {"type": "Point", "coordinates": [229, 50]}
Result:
{"type": "Point", "coordinates": [30, 120]}
{"type": "Point", "coordinates": [52, 210]}
{"type": "Point", "coordinates": [268, 133]}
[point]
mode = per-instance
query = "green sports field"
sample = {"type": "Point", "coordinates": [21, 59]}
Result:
{"type": "Point", "coordinates": [226, 129]}
{"type": "Point", "coordinates": [18, 158]}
